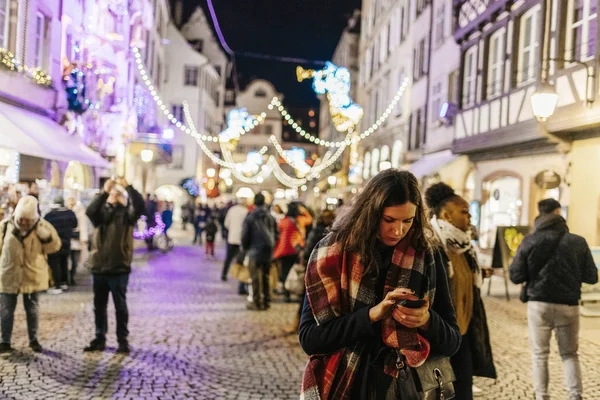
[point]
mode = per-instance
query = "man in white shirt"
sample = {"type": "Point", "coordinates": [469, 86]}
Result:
{"type": "Point", "coordinates": [234, 221]}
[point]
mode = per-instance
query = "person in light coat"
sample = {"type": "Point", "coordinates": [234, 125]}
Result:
{"type": "Point", "coordinates": [25, 241]}
{"type": "Point", "coordinates": [79, 243]}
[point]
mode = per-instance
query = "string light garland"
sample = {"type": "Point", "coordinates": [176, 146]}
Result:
{"type": "Point", "coordinates": [10, 62]}
{"type": "Point", "coordinates": [272, 165]}
{"type": "Point", "coordinates": [153, 231]}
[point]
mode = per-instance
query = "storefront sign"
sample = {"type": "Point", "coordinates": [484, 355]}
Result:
{"type": "Point", "coordinates": [548, 180]}
{"type": "Point", "coordinates": [508, 240]}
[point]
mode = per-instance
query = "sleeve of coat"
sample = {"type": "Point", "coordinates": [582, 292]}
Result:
{"type": "Point", "coordinates": [52, 244]}
{"type": "Point", "coordinates": [3, 230]}
{"type": "Point", "coordinates": [589, 269]}
{"type": "Point", "coordinates": [137, 208]}
{"type": "Point", "coordinates": [94, 210]}
{"type": "Point", "coordinates": [518, 268]}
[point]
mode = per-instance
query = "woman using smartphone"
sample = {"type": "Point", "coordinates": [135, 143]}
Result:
{"type": "Point", "coordinates": [362, 341]}
{"type": "Point", "coordinates": [451, 221]}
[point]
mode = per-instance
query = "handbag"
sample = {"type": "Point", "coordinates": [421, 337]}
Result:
{"type": "Point", "coordinates": [434, 379]}
{"type": "Point", "coordinates": [294, 282]}
{"type": "Point", "coordinates": [240, 271]}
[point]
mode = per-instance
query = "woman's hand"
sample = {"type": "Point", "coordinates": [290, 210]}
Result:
{"type": "Point", "coordinates": [384, 309]}
{"type": "Point", "coordinates": [413, 317]}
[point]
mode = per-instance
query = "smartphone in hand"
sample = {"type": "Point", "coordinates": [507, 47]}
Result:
{"type": "Point", "coordinates": [412, 303]}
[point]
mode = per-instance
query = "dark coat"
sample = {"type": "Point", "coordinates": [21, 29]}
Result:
{"type": "Point", "coordinates": [65, 223]}
{"type": "Point", "coordinates": [112, 244]}
{"type": "Point", "coordinates": [554, 263]}
{"type": "Point", "coordinates": [259, 235]}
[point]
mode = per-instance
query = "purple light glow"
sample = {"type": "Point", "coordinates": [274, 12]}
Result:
{"type": "Point", "coordinates": [157, 230]}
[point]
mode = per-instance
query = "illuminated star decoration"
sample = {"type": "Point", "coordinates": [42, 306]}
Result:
{"type": "Point", "coordinates": [335, 81]}
{"type": "Point", "coordinates": [238, 120]}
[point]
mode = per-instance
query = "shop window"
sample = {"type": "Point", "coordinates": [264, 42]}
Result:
{"type": "Point", "coordinates": [501, 207]}
{"type": "Point", "coordinates": [384, 157]}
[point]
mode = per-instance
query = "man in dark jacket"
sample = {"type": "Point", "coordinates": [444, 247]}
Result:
{"type": "Point", "coordinates": [65, 223]}
{"type": "Point", "coordinates": [113, 217]}
{"type": "Point", "coordinates": [259, 235]}
{"type": "Point", "coordinates": [554, 263]}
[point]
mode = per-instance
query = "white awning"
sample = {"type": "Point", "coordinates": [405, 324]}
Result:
{"type": "Point", "coordinates": [35, 135]}
{"type": "Point", "coordinates": [431, 163]}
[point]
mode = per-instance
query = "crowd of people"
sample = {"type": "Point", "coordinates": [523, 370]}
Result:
{"type": "Point", "coordinates": [391, 281]}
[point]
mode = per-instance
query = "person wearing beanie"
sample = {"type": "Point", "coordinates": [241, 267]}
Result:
{"type": "Point", "coordinates": [114, 213]}
{"type": "Point", "coordinates": [451, 223]}
{"type": "Point", "coordinates": [25, 239]}
{"type": "Point", "coordinates": [65, 223]}
{"type": "Point", "coordinates": [553, 263]}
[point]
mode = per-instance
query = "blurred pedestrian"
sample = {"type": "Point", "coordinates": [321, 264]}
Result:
{"type": "Point", "coordinates": [324, 222]}
{"type": "Point", "coordinates": [167, 217]}
{"type": "Point", "coordinates": [187, 214]}
{"type": "Point", "coordinates": [259, 235]}
{"type": "Point", "coordinates": [65, 222]}
{"type": "Point", "coordinates": [25, 241]}
{"type": "Point", "coordinates": [211, 236]}
{"type": "Point", "coordinates": [377, 303]}
{"type": "Point", "coordinates": [234, 222]}
{"type": "Point", "coordinates": [79, 242]}
{"type": "Point", "coordinates": [451, 223]}
{"type": "Point", "coordinates": [277, 212]}
{"type": "Point", "coordinates": [553, 263]}
{"type": "Point", "coordinates": [290, 244]}
{"type": "Point", "coordinates": [114, 213]}
{"type": "Point", "coordinates": [201, 216]}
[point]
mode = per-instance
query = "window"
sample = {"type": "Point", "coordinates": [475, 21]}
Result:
{"type": "Point", "coordinates": [495, 63]}
{"type": "Point", "coordinates": [158, 73]}
{"type": "Point", "coordinates": [438, 99]}
{"type": "Point", "coordinates": [469, 77]}
{"type": "Point", "coordinates": [268, 129]}
{"type": "Point", "coordinates": [367, 165]}
{"type": "Point", "coordinates": [39, 41]}
{"type": "Point", "coordinates": [421, 5]}
{"type": "Point", "coordinates": [4, 22]}
{"type": "Point", "coordinates": [397, 154]}
{"type": "Point", "coordinates": [260, 93]}
{"type": "Point", "coordinates": [403, 27]}
{"type": "Point", "coordinates": [177, 111]}
{"type": "Point", "coordinates": [151, 58]}
{"type": "Point", "coordinates": [198, 45]}
{"type": "Point", "coordinates": [440, 25]}
{"type": "Point", "coordinates": [385, 34]}
{"type": "Point", "coordinates": [218, 69]}
{"type": "Point", "coordinates": [191, 76]}
{"type": "Point", "coordinates": [419, 61]}
{"type": "Point", "coordinates": [528, 44]}
{"type": "Point", "coordinates": [376, 58]}
{"type": "Point", "coordinates": [374, 162]}
{"type": "Point", "coordinates": [581, 29]}
{"type": "Point", "coordinates": [369, 64]}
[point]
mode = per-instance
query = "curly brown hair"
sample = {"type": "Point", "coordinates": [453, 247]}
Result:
{"type": "Point", "coordinates": [358, 229]}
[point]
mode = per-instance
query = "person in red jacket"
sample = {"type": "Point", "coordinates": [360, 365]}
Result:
{"type": "Point", "coordinates": [292, 231]}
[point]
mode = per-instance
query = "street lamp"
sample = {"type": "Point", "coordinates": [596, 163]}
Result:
{"type": "Point", "coordinates": [332, 180]}
{"type": "Point", "coordinates": [210, 172]}
{"type": "Point", "coordinates": [147, 155]}
{"type": "Point", "coordinates": [544, 101]}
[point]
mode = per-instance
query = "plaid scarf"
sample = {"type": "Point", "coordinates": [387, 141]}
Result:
{"type": "Point", "coordinates": [335, 283]}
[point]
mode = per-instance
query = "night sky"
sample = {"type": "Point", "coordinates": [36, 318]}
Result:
{"type": "Point", "coordinates": [308, 29]}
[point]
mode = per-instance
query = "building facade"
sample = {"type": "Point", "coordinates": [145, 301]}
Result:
{"type": "Point", "coordinates": [507, 49]}
{"type": "Point", "coordinates": [42, 139]}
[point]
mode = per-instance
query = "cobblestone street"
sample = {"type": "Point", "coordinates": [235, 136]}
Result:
{"type": "Point", "coordinates": [193, 338]}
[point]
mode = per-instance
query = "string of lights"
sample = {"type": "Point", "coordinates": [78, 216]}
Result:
{"type": "Point", "coordinates": [275, 103]}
